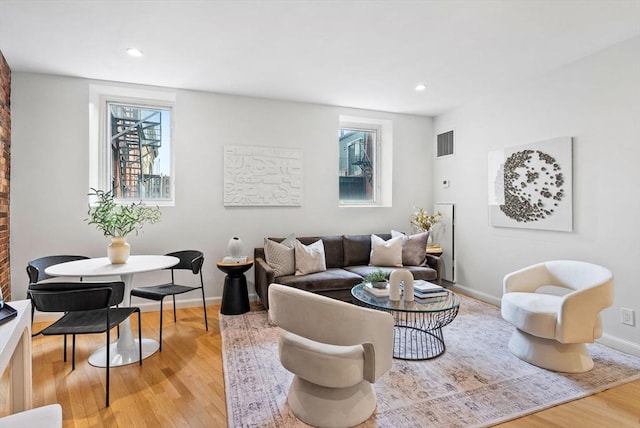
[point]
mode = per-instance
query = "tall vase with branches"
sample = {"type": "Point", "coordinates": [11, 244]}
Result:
{"type": "Point", "coordinates": [116, 221]}
{"type": "Point", "coordinates": [422, 221]}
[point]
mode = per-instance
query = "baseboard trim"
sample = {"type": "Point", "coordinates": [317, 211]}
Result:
{"type": "Point", "coordinates": [150, 306]}
{"type": "Point", "coordinates": [484, 297]}
{"type": "Point", "coordinates": [619, 344]}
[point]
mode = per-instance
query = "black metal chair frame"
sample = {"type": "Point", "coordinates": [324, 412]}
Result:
{"type": "Point", "coordinates": [189, 260]}
{"type": "Point", "coordinates": [88, 310]}
{"type": "Point", "coordinates": [36, 274]}
{"type": "Point", "coordinates": [36, 267]}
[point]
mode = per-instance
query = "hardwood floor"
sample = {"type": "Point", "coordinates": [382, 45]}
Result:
{"type": "Point", "coordinates": [184, 385]}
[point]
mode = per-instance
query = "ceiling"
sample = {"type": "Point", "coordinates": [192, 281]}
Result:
{"type": "Point", "coordinates": [364, 54]}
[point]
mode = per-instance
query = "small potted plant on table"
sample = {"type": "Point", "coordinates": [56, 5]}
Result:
{"type": "Point", "coordinates": [117, 221]}
{"type": "Point", "coordinates": [377, 278]}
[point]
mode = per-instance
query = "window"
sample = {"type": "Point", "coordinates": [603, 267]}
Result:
{"type": "Point", "coordinates": [357, 164]}
{"type": "Point", "coordinates": [131, 144]}
{"type": "Point", "coordinates": [140, 151]}
{"type": "Point", "coordinates": [365, 159]}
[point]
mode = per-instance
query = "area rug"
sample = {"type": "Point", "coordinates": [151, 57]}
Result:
{"type": "Point", "coordinates": [476, 382]}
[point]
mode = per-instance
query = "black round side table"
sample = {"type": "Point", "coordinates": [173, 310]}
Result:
{"type": "Point", "coordinates": [235, 297]}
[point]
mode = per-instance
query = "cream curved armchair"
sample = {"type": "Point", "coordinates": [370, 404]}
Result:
{"type": "Point", "coordinates": [555, 307]}
{"type": "Point", "coordinates": [336, 350]}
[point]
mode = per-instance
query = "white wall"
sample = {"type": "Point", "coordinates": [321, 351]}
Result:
{"type": "Point", "coordinates": [596, 101]}
{"type": "Point", "coordinates": [50, 176]}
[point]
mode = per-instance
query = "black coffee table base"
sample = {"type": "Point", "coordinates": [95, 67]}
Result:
{"type": "Point", "coordinates": [415, 344]}
{"type": "Point", "coordinates": [418, 335]}
{"type": "Point", "coordinates": [417, 331]}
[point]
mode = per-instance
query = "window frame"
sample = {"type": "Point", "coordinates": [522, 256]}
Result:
{"type": "Point", "coordinates": [100, 158]}
{"type": "Point", "coordinates": [376, 130]}
{"type": "Point", "coordinates": [383, 159]}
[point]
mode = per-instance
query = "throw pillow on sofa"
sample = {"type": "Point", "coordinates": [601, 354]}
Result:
{"type": "Point", "coordinates": [280, 256]}
{"type": "Point", "coordinates": [386, 253]}
{"type": "Point", "coordinates": [414, 248]}
{"type": "Point", "coordinates": [309, 258]}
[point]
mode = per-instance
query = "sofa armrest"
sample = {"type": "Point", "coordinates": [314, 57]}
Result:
{"type": "Point", "coordinates": [436, 263]}
{"type": "Point", "coordinates": [264, 276]}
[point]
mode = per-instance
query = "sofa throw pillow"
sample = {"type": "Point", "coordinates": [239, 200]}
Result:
{"type": "Point", "coordinates": [309, 258]}
{"type": "Point", "coordinates": [280, 256]}
{"type": "Point", "coordinates": [356, 249]}
{"type": "Point", "coordinates": [386, 253]}
{"type": "Point", "coordinates": [414, 248]}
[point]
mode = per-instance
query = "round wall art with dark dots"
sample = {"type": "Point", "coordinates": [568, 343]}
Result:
{"type": "Point", "coordinates": [533, 186]}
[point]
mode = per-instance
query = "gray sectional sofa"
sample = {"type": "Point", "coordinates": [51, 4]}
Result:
{"type": "Point", "coordinates": [347, 264]}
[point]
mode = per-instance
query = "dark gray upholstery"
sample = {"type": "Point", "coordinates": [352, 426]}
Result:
{"type": "Point", "coordinates": [347, 260]}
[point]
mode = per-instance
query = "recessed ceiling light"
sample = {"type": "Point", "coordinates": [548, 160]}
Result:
{"type": "Point", "coordinates": [134, 52]}
{"type": "Point", "coordinates": [421, 87]}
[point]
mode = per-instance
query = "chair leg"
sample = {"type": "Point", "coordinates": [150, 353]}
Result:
{"type": "Point", "coordinates": [33, 314]}
{"type": "Point", "coordinates": [204, 306]}
{"type": "Point", "coordinates": [108, 364]}
{"type": "Point", "coordinates": [174, 307]}
{"type": "Point", "coordinates": [64, 348]}
{"type": "Point", "coordinates": [140, 335]}
{"type": "Point", "coordinates": [160, 347]}
{"type": "Point", "coordinates": [73, 350]}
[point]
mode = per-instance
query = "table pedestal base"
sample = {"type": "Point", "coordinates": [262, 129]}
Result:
{"type": "Point", "coordinates": [412, 343]}
{"type": "Point", "coordinates": [120, 357]}
{"type": "Point", "coordinates": [235, 298]}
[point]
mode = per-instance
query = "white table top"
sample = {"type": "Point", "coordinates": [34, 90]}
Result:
{"type": "Point", "coordinates": [103, 267]}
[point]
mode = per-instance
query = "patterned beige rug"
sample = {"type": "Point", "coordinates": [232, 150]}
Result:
{"type": "Point", "coordinates": [476, 382]}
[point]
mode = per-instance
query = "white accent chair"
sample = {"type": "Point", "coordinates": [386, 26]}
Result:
{"type": "Point", "coordinates": [336, 350]}
{"type": "Point", "coordinates": [41, 417]}
{"type": "Point", "coordinates": [555, 307]}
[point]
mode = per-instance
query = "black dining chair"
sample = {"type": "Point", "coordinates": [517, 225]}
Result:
{"type": "Point", "coordinates": [89, 309]}
{"type": "Point", "coordinates": [189, 260]}
{"type": "Point", "coordinates": [36, 267]}
{"type": "Point", "coordinates": [36, 274]}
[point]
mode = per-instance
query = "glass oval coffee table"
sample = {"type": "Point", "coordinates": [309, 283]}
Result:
{"type": "Point", "coordinates": [418, 323]}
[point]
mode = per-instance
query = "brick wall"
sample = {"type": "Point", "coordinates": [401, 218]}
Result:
{"type": "Point", "coordinates": [5, 170]}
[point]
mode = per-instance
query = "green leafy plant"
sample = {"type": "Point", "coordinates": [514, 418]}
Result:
{"type": "Point", "coordinates": [119, 220]}
{"type": "Point", "coordinates": [376, 276]}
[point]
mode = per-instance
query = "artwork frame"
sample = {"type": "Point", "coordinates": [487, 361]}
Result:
{"type": "Point", "coordinates": [262, 176]}
{"type": "Point", "coordinates": [531, 185]}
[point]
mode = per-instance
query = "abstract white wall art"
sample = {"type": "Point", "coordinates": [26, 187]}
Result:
{"type": "Point", "coordinates": [530, 186]}
{"type": "Point", "coordinates": [262, 176]}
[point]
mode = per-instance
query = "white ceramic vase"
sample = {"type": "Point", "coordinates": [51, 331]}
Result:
{"type": "Point", "coordinates": [397, 276]}
{"type": "Point", "coordinates": [235, 247]}
{"type": "Point", "coordinates": [118, 250]}
{"type": "Point", "coordinates": [407, 292]}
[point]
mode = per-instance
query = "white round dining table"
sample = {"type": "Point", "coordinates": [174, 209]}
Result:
{"type": "Point", "coordinates": [125, 350]}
